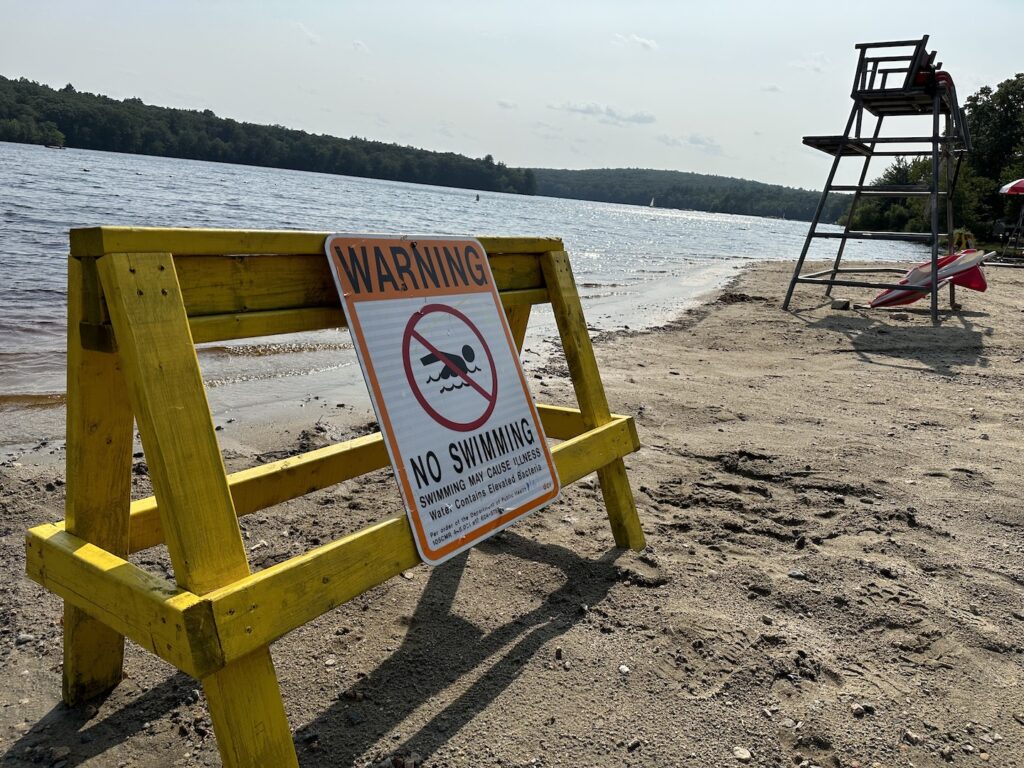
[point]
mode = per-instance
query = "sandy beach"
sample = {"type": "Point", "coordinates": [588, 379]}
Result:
{"type": "Point", "coordinates": [834, 573]}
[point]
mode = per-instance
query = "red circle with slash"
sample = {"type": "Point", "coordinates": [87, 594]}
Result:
{"type": "Point", "coordinates": [490, 396]}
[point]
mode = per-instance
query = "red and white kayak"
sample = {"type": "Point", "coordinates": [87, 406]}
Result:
{"type": "Point", "coordinates": [962, 268]}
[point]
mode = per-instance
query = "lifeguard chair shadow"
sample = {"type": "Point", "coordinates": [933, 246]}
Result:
{"type": "Point", "coordinates": [138, 302]}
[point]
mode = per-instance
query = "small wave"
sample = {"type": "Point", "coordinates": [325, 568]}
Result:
{"type": "Point", "coordinates": [453, 387]}
{"type": "Point", "coordinates": [220, 381]}
{"type": "Point", "coordinates": [432, 379]}
{"type": "Point", "coordinates": [266, 350]}
{"type": "Point", "coordinates": [29, 400]}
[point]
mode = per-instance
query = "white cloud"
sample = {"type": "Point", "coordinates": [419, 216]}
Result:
{"type": "Point", "coordinates": [700, 142]}
{"type": "Point", "coordinates": [772, 88]}
{"type": "Point", "coordinates": [635, 40]}
{"type": "Point", "coordinates": [546, 131]}
{"type": "Point", "coordinates": [814, 62]}
{"type": "Point", "coordinates": [360, 46]}
{"type": "Point", "coordinates": [310, 35]}
{"type": "Point", "coordinates": [606, 114]}
{"type": "Point", "coordinates": [506, 104]}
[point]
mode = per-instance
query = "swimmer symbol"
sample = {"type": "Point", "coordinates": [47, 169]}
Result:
{"type": "Point", "coordinates": [452, 366]}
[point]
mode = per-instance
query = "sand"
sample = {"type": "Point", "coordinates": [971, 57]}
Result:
{"type": "Point", "coordinates": [834, 577]}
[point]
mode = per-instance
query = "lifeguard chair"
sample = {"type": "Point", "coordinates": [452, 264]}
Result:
{"type": "Point", "coordinates": [893, 79]}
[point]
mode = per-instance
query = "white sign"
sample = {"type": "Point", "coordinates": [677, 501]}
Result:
{"type": "Point", "coordinates": [457, 416]}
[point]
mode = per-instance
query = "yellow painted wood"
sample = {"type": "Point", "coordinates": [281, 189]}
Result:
{"type": "Point", "coordinates": [586, 380]}
{"type": "Point", "coordinates": [243, 325]}
{"type": "Point", "coordinates": [174, 624]}
{"type": "Point", "coordinates": [267, 605]}
{"type": "Point", "coordinates": [97, 241]}
{"type": "Point", "coordinates": [197, 514]}
{"type": "Point", "coordinates": [99, 445]}
{"type": "Point", "coordinates": [602, 446]}
{"type": "Point", "coordinates": [218, 285]}
{"type": "Point", "coordinates": [219, 621]}
{"type": "Point", "coordinates": [524, 297]}
{"type": "Point", "coordinates": [189, 631]}
{"type": "Point", "coordinates": [248, 714]}
{"type": "Point", "coordinates": [276, 600]}
{"type": "Point", "coordinates": [169, 400]}
{"type": "Point", "coordinates": [260, 487]}
{"type": "Point", "coordinates": [562, 422]}
{"type": "Point", "coordinates": [518, 319]}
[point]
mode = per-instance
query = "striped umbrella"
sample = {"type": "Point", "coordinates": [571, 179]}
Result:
{"type": "Point", "coordinates": [1013, 188]}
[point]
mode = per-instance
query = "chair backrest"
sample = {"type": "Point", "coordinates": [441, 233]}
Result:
{"type": "Point", "coordinates": [891, 65]}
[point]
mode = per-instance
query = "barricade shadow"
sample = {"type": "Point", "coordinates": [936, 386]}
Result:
{"type": "Point", "coordinates": [441, 647]}
{"type": "Point", "coordinates": [956, 343]}
{"type": "Point", "coordinates": [87, 736]}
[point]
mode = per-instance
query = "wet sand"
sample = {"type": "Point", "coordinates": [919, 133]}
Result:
{"type": "Point", "coordinates": [834, 576]}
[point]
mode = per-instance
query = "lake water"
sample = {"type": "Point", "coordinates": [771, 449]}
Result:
{"type": "Point", "coordinates": [636, 266]}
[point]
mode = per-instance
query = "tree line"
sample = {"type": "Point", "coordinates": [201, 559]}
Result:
{"type": "Point", "coordinates": [995, 118]}
{"type": "Point", "coordinates": [690, 191]}
{"type": "Point", "coordinates": [37, 114]}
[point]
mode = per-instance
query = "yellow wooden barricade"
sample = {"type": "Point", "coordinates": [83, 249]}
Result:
{"type": "Point", "coordinates": [139, 299]}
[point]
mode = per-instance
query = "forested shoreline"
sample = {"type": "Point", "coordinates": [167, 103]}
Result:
{"type": "Point", "coordinates": [38, 114]}
{"type": "Point", "coordinates": [688, 191]}
{"type": "Point", "coordinates": [31, 113]}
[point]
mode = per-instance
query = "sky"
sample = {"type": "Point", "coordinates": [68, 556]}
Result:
{"type": "Point", "coordinates": [725, 87]}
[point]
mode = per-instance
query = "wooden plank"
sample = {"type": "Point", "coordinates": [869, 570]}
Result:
{"type": "Point", "coordinates": [248, 714]}
{"type": "Point", "coordinates": [518, 319]}
{"type": "Point", "coordinates": [276, 600]}
{"type": "Point", "coordinates": [578, 457]}
{"type": "Point", "coordinates": [216, 285]}
{"type": "Point", "coordinates": [244, 325]}
{"type": "Point", "coordinates": [260, 487]}
{"type": "Point", "coordinates": [525, 297]}
{"type": "Point", "coordinates": [169, 400]}
{"type": "Point", "coordinates": [561, 422]}
{"type": "Point", "coordinates": [269, 604]}
{"type": "Point", "coordinates": [213, 285]}
{"type": "Point", "coordinates": [97, 241]}
{"type": "Point", "coordinates": [197, 514]}
{"type": "Point", "coordinates": [586, 380]}
{"type": "Point", "coordinates": [174, 624]}
{"type": "Point", "coordinates": [99, 461]}
{"type": "Point", "coordinates": [247, 325]}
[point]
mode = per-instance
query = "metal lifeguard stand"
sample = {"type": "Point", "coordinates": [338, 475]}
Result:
{"type": "Point", "coordinates": [893, 79]}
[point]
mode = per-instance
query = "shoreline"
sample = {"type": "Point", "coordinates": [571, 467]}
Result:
{"type": "Point", "coordinates": [250, 400]}
{"type": "Point", "coordinates": [834, 571]}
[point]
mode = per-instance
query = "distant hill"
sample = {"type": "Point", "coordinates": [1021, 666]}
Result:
{"type": "Point", "coordinates": [31, 113]}
{"type": "Point", "coordinates": [692, 191]}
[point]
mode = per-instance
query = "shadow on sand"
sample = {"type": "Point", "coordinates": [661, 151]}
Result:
{"type": "Point", "coordinates": [954, 343]}
{"type": "Point", "coordinates": [439, 649]}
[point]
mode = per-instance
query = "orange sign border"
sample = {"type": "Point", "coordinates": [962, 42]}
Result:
{"type": "Point", "coordinates": [429, 555]}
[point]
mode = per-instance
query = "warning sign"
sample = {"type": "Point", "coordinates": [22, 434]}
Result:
{"type": "Point", "coordinates": [447, 386]}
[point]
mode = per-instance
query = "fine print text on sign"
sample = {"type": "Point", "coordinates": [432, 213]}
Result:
{"type": "Point", "coordinates": [457, 417]}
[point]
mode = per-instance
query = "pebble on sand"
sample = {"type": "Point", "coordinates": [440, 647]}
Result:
{"type": "Point", "coordinates": [742, 754]}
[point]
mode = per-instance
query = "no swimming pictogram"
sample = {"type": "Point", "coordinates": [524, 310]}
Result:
{"type": "Point", "coordinates": [457, 389]}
